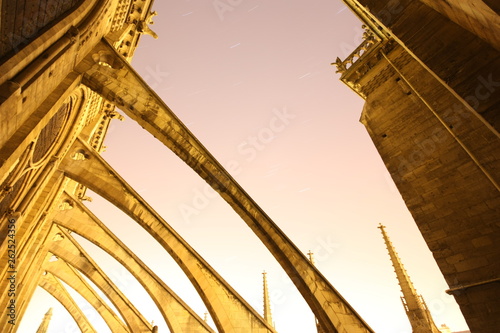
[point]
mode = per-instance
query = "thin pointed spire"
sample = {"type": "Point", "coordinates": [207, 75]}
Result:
{"type": "Point", "coordinates": [45, 322]}
{"type": "Point", "coordinates": [416, 310]}
{"type": "Point", "coordinates": [267, 304]}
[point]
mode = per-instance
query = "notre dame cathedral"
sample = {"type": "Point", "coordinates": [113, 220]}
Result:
{"type": "Point", "coordinates": [428, 70]}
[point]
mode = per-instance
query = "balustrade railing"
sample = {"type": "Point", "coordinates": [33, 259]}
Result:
{"type": "Point", "coordinates": [369, 40]}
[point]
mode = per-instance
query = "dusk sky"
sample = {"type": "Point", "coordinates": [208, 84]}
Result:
{"type": "Point", "coordinates": [253, 81]}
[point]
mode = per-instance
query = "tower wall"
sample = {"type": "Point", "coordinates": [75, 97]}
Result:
{"type": "Point", "coordinates": [432, 98]}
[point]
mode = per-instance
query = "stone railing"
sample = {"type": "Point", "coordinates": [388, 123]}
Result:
{"type": "Point", "coordinates": [369, 40]}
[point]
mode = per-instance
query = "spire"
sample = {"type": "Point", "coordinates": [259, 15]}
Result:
{"type": "Point", "coordinates": [45, 322]}
{"type": "Point", "coordinates": [416, 310]}
{"type": "Point", "coordinates": [267, 304]}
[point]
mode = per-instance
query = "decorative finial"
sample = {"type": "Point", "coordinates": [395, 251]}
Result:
{"type": "Point", "coordinates": [341, 67]}
{"type": "Point", "coordinates": [311, 256]}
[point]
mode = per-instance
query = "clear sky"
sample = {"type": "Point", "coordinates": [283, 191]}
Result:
{"type": "Point", "coordinates": [253, 81]}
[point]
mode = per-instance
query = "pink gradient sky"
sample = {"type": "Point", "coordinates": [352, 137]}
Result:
{"type": "Point", "coordinates": [228, 75]}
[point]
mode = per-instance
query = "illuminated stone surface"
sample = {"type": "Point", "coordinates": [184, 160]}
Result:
{"type": "Point", "coordinates": [430, 79]}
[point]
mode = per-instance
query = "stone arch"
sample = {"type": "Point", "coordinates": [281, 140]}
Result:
{"type": "Point", "coordinates": [71, 252]}
{"type": "Point", "coordinates": [229, 310]}
{"type": "Point", "coordinates": [69, 275]}
{"type": "Point", "coordinates": [59, 292]}
{"type": "Point", "coordinates": [178, 315]}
